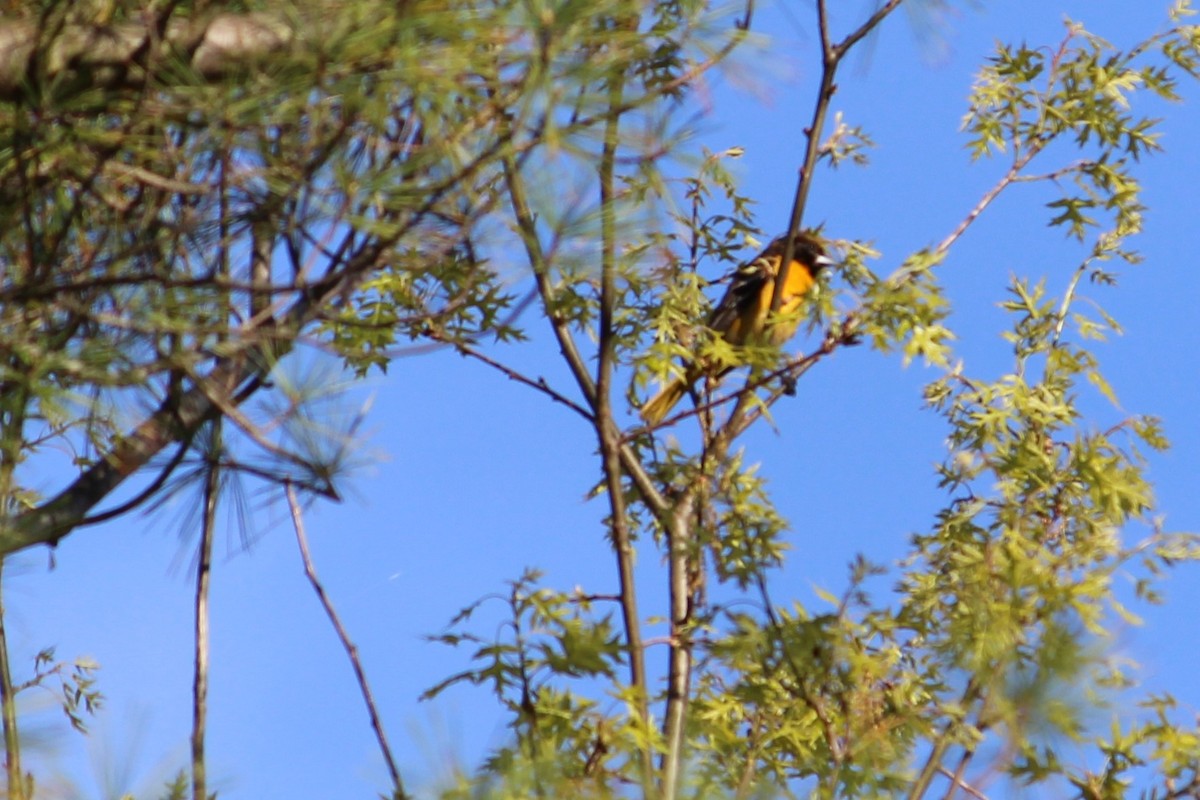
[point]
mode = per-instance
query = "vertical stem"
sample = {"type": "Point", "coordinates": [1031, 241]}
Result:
{"type": "Point", "coordinates": [610, 445]}
{"type": "Point", "coordinates": [606, 428]}
{"type": "Point", "coordinates": [16, 397]}
{"type": "Point", "coordinates": [12, 746]}
{"type": "Point", "coordinates": [679, 667]}
{"type": "Point", "coordinates": [830, 56]}
{"type": "Point", "coordinates": [200, 642]}
{"type": "Point", "coordinates": [617, 458]}
{"type": "Point", "coordinates": [203, 568]}
{"type": "Point", "coordinates": [956, 780]}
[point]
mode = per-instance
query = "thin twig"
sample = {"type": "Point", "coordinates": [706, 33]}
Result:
{"type": "Point", "coordinates": [831, 57]}
{"type": "Point", "coordinates": [829, 64]}
{"type": "Point", "coordinates": [798, 363]}
{"type": "Point", "coordinates": [230, 410]}
{"type": "Point", "coordinates": [527, 226]}
{"type": "Point", "coordinates": [159, 480]}
{"type": "Point", "coordinates": [201, 639]}
{"type": "Point", "coordinates": [409, 351]}
{"type": "Point", "coordinates": [956, 778]}
{"type": "Point", "coordinates": [960, 783]}
{"type": "Point", "coordinates": [348, 645]}
{"type": "Point", "coordinates": [1021, 158]}
{"type": "Point", "coordinates": [872, 22]}
{"type": "Point", "coordinates": [985, 201]}
{"type": "Point", "coordinates": [539, 384]}
{"type": "Point", "coordinates": [743, 24]}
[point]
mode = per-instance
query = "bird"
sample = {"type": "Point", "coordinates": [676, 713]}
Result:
{"type": "Point", "coordinates": [741, 316]}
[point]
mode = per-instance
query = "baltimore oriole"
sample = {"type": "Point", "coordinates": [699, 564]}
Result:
{"type": "Point", "coordinates": [741, 316]}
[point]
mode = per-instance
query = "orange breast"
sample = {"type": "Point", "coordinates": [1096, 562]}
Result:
{"type": "Point", "coordinates": [799, 281]}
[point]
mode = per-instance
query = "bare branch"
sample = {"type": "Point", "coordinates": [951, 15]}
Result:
{"type": "Point", "coordinates": [988, 197]}
{"type": "Point", "coordinates": [831, 56]}
{"type": "Point", "coordinates": [872, 22]}
{"type": "Point", "coordinates": [347, 644]}
{"type": "Point", "coordinates": [201, 611]}
{"type": "Point", "coordinates": [539, 384]}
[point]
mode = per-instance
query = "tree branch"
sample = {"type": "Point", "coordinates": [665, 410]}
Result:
{"type": "Point", "coordinates": [607, 433]}
{"type": "Point", "coordinates": [8, 711]}
{"type": "Point", "coordinates": [831, 56]}
{"type": "Point", "coordinates": [538, 384]}
{"type": "Point", "coordinates": [347, 644]}
{"type": "Point", "coordinates": [201, 610]}
{"type": "Point", "coordinates": [175, 419]}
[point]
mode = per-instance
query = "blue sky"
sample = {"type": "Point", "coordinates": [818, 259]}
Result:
{"type": "Point", "coordinates": [458, 501]}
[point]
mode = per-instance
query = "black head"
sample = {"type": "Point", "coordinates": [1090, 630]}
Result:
{"type": "Point", "coordinates": [806, 248]}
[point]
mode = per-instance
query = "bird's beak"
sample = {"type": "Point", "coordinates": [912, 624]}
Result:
{"type": "Point", "coordinates": [820, 262]}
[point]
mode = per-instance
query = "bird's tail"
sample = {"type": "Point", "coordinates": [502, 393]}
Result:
{"type": "Point", "coordinates": [656, 408]}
